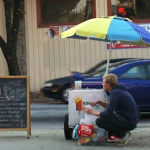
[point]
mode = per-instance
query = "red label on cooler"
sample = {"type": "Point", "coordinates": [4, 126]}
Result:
{"type": "Point", "coordinates": [85, 130]}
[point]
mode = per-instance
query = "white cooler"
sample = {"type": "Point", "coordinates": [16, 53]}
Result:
{"type": "Point", "coordinates": [80, 98]}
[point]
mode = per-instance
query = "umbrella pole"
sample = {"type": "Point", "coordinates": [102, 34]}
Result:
{"type": "Point", "coordinates": [108, 57]}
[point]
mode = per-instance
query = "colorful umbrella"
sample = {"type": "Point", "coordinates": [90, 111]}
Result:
{"type": "Point", "coordinates": [109, 29]}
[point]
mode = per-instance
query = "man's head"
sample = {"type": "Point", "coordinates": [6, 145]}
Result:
{"type": "Point", "coordinates": [109, 82]}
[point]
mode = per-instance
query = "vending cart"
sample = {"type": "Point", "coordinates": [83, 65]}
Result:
{"type": "Point", "coordinates": [77, 100]}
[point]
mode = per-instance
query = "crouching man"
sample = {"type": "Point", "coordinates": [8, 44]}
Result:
{"type": "Point", "coordinates": [121, 114]}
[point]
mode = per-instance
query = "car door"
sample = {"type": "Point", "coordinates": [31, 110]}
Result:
{"type": "Point", "coordinates": [135, 79]}
{"type": "Point", "coordinates": [147, 87]}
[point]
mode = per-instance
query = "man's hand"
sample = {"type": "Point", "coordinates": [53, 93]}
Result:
{"type": "Point", "coordinates": [91, 112]}
{"type": "Point", "coordinates": [94, 103]}
{"type": "Point", "coordinates": [103, 104]}
{"type": "Point", "coordinates": [88, 111]}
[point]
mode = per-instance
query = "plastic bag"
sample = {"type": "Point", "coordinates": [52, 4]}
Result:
{"type": "Point", "coordinates": [85, 130]}
{"type": "Point", "coordinates": [75, 132]}
{"type": "Point", "coordinates": [90, 119]}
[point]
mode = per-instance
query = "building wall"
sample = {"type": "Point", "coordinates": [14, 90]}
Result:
{"type": "Point", "coordinates": [49, 58]}
{"type": "Point", "coordinates": [3, 64]}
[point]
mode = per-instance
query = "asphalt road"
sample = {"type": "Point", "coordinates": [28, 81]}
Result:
{"type": "Point", "coordinates": [51, 116]}
{"type": "Point", "coordinates": [48, 116]}
{"type": "Point", "coordinates": [47, 121]}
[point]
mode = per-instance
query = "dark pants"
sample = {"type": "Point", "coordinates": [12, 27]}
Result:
{"type": "Point", "coordinates": [115, 126]}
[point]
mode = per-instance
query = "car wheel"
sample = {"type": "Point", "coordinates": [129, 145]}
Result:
{"type": "Point", "coordinates": [67, 131]}
{"type": "Point", "coordinates": [65, 93]}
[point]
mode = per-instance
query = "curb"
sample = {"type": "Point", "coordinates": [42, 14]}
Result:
{"type": "Point", "coordinates": [47, 102]}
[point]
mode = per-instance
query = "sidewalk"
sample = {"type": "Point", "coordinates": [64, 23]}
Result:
{"type": "Point", "coordinates": [45, 139]}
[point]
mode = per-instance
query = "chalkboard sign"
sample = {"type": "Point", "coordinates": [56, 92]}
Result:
{"type": "Point", "coordinates": [14, 103]}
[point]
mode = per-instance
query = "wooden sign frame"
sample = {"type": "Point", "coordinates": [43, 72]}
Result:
{"type": "Point", "coordinates": [28, 129]}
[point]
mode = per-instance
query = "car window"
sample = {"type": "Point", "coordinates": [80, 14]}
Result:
{"type": "Point", "coordinates": [136, 72]}
{"type": "Point", "coordinates": [101, 71]}
{"type": "Point", "coordinates": [148, 68]}
{"type": "Point", "coordinates": [102, 67]}
{"type": "Point", "coordinates": [103, 64]}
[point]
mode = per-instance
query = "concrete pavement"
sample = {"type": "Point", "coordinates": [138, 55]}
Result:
{"type": "Point", "coordinates": [44, 139]}
{"type": "Point", "coordinates": [48, 116]}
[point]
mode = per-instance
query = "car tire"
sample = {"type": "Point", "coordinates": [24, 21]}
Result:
{"type": "Point", "coordinates": [67, 131]}
{"type": "Point", "coordinates": [65, 94]}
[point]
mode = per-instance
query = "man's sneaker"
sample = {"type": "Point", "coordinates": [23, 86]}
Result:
{"type": "Point", "coordinates": [112, 139]}
{"type": "Point", "coordinates": [125, 139]}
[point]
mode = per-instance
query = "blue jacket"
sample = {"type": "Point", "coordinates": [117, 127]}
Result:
{"type": "Point", "coordinates": [122, 105]}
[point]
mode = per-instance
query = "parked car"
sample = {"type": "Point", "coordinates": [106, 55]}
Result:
{"type": "Point", "coordinates": [135, 75]}
{"type": "Point", "coordinates": [59, 88]}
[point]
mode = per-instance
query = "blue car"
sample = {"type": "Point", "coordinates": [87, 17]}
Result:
{"type": "Point", "coordinates": [135, 75]}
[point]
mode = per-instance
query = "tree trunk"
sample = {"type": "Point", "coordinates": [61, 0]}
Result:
{"type": "Point", "coordinates": [11, 58]}
{"type": "Point", "coordinates": [13, 65]}
{"type": "Point", "coordinates": [12, 29]}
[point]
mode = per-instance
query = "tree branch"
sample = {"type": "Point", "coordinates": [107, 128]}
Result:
{"type": "Point", "coordinates": [7, 7]}
{"type": "Point", "coordinates": [3, 46]}
{"type": "Point", "coordinates": [16, 22]}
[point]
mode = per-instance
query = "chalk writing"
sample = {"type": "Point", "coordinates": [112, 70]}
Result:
{"type": "Point", "coordinates": [13, 103]}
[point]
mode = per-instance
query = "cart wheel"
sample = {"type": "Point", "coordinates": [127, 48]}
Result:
{"type": "Point", "coordinates": [67, 131]}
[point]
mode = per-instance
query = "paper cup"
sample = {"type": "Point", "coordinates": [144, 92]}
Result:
{"type": "Point", "coordinates": [78, 85]}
